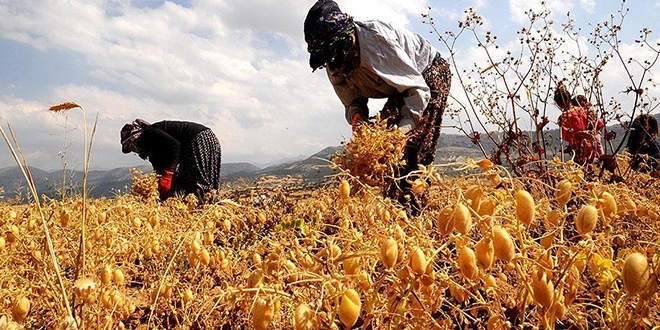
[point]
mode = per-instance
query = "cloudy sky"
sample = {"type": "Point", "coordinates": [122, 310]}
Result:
{"type": "Point", "coordinates": [239, 67]}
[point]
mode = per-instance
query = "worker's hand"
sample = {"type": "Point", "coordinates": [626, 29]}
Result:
{"type": "Point", "coordinates": [165, 183]}
{"type": "Point", "coordinates": [402, 144]}
{"type": "Point", "coordinates": [356, 121]}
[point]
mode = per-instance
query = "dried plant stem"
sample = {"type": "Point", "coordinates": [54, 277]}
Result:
{"type": "Point", "coordinates": [87, 148]}
{"type": "Point", "coordinates": [186, 234]}
{"type": "Point", "coordinates": [23, 166]}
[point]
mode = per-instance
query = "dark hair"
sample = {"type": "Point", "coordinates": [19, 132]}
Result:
{"type": "Point", "coordinates": [580, 101]}
{"type": "Point", "coordinates": [562, 97]}
{"type": "Point", "coordinates": [643, 131]}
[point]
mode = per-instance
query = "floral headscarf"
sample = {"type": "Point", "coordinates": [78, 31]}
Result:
{"type": "Point", "coordinates": [327, 33]}
{"type": "Point", "coordinates": [130, 134]}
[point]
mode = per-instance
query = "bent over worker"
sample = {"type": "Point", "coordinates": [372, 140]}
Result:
{"type": "Point", "coordinates": [185, 155]}
{"type": "Point", "coordinates": [373, 59]}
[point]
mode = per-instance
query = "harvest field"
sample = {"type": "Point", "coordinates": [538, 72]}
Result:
{"type": "Point", "coordinates": [523, 239]}
{"type": "Point", "coordinates": [488, 251]}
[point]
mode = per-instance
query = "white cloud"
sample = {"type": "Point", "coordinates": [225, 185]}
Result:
{"type": "Point", "coordinates": [39, 133]}
{"type": "Point", "coordinates": [519, 8]}
{"type": "Point", "coordinates": [240, 67]}
{"type": "Point", "coordinates": [588, 5]}
{"type": "Point", "coordinates": [242, 71]}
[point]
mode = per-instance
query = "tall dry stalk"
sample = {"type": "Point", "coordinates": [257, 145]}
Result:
{"type": "Point", "coordinates": [87, 148]}
{"type": "Point", "coordinates": [23, 166]}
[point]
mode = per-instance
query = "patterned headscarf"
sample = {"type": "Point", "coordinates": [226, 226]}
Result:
{"type": "Point", "coordinates": [130, 134]}
{"type": "Point", "coordinates": [327, 33]}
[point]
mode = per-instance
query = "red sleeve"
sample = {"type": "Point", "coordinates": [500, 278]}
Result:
{"type": "Point", "coordinates": [568, 123]}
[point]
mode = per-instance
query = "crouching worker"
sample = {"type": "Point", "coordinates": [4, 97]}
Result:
{"type": "Point", "coordinates": [642, 144]}
{"type": "Point", "coordinates": [185, 155]}
{"type": "Point", "coordinates": [373, 59]}
{"type": "Point", "coordinates": [580, 128]}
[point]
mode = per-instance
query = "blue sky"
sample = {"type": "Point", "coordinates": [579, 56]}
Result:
{"type": "Point", "coordinates": [239, 67]}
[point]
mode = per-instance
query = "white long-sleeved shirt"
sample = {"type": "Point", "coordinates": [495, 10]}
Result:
{"type": "Point", "coordinates": [391, 63]}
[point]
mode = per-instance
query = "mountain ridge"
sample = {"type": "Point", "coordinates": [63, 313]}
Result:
{"type": "Point", "coordinates": [313, 169]}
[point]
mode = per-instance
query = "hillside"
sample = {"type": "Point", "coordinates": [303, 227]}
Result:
{"type": "Point", "coordinates": [313, 169]}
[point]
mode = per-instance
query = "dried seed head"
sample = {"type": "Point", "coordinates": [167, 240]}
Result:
{"type": "Point", "coordinates": [106, 274]}
{"type": "Point", "coordinates": [66, 105]}
{"type": "Point", "coordinates": [457, 291]}
{"type": "Point", "coordinates": [445, 220]}
{"type": "Point", "coordinates": [608, 204]}
{"type": "Point", "coordinates": [352, 265]}
{"type": "Point", "coordinates": [196, 247]}
{"type": "Point", "coordinates": [586, 219]}
{"type": "Point", "coordinates": [525, 207]}
{"type": "Point", "coordinates": [636, 273]}
{"type": "Point", "coordinates": [389, 252]}
{"type": "Point", "coordinates": [118, 277]}
{"type": "Point", "coordinates": [462, 219]}
{"type": "Point", "coordinates": [13, 234]}
{"type": "Point", "coordinates": [564, 192]}
{"type": "Point", "coordinates": [627, 207]}
{"type": "Point", "coordinates": [344, 189]}
{"type": "Point", "coordinates": [292, 270]}
{"type": "Point", "coordinates": [188, 295]}
{"type": "Point", "coordinates": [473, 195]}
{"type": "Point", "coordinates": [467, 262]}
{"type": "Point", "coordinates": [419, 186]}
{"type": "Point", "coordinates": [552, 219]}
{"type": "Point", "coordinates": [485, 253]}
{"type": "Point", "coordinates": [543, 289]}
{"type": "Point", "coordinates": [303, 318]}
{"type": "Point", "coordinates": [153, 220]}
{"type": "Point", "coordinates": [349, 308]}
{"type": "Point", "coordinates": [502, 244]}
{"type": "Point", "coordinates": [20, 309]}
{"type": "Point", "coordinates": [490, 281]}
{"type": "Point", "coordinates": [418, 261]}
{"type": "Point", "coordinates": [255, 278]}
{"type": "Point", "coordinates": [105, 299]}
{"type": "Point", "coordinates": [102, 217]}
{"type": "Point", "coordinates": [204, 257]}
{"type": "Point", "coordinates": [263, 313]}
{"type": "Point", "coordinates": [486, 207]}
{"type": "Point", "coordinates": [65, 216]}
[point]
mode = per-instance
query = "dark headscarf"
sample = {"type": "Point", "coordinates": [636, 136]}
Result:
{"type": "Point", "coordinates": [643, 131]}
{"type": "Point", "coordinates": [562, 97]}
{"type": "Point", "coordinates": [130, 134]}
{"type": "Point", "coordinates": [327, 33]}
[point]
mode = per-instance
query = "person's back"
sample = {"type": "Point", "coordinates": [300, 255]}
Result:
{"type": "Point", "coordinates": [642, 144]}
{"type": "Point", "coordinates": [185, 155]}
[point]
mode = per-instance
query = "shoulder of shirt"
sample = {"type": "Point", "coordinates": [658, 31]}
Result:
{"type": "Point", "coordinates": [375, 25]}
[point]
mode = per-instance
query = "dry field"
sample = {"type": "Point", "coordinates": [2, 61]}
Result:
{"type": "Point", "coordinates": [488, 251]}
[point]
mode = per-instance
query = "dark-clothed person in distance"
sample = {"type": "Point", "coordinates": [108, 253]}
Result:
{"type": "Point", "coordinates": [185, 155]}
{"type": "Point", "coordinates": [643, 145]}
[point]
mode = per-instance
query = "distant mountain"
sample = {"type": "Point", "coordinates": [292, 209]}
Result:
{"type": "Point", "coordinates": [237, 169]}
{"type": "Point", "coordinates": [100, 183]}
{"type": "Point", "coordinates": [313, 169]}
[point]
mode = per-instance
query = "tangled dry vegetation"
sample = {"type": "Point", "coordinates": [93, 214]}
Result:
{"type": "Point", "coordinates": [488, 251]}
